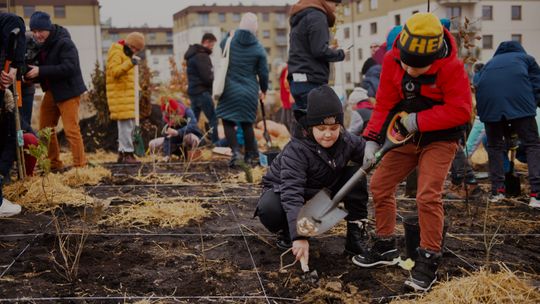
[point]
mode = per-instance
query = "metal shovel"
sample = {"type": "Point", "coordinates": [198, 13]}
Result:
{"type": "Point", "coordinates": [266, 136]}
{"type": "Point", "coordinates": [322, 212]}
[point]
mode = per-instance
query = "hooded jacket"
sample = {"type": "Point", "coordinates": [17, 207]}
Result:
{"type": "Point", "coordinates": [303, 168]}
{"type": "Point", "coordinates": [8, 22]}
{"type": "Point", "coordinates": [247, 73]}
{"type": "Point", "coordinates": [200, 72]}
{"type": "Point", "coordinates": [445, 85]}
{"type": "Point", "coordinates": [508, 87]}
{"type": "Point", "coordinates": [371, 80]}
{"type": "Point", "coordinates": [120, 79]}
{"type": "Point", "coordinates": [59, 67]}
{"type": "Point", "coordinates": [309, 50]}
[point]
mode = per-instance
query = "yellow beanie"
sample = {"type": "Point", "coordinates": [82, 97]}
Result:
{"type": "Point", "coordinates": [135, 39]}
{"type": "Point", "coordinates": [421, 40]}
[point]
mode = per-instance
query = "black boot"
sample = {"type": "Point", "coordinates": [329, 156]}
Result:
{"type": "Point", "coordinates": [424, 272]}
{"type": "Point", "coordinates": [252, 158]}
{"type": "Point", "coordinates": [356, 237]}
{"type": "Point", "coordinates": [382, 253]}
{"type": "Point", "coordinates": [283, 241]}
{"type": "Point", "coordinates": [236, 159]}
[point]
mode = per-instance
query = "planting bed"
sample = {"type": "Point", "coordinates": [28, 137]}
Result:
{"type": "Point", "coordinates": [228, 257]}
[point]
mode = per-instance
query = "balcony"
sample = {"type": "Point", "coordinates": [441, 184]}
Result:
{"type": "Point", "coordinates": [445, 2]}
{"type": "Point", "coordinates": [281, 24]}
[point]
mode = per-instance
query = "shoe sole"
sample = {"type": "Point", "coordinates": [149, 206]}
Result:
{"type": "Point", "coordinates": [413, 286]}
{"type": "Point", "coordinates": [376, 264]}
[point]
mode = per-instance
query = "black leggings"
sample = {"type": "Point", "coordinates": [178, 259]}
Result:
{"type": "Point", "coordinates": [249, 136]}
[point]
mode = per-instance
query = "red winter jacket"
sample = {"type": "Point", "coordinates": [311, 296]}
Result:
{"type": "Point", "coordinates": [451, 89]}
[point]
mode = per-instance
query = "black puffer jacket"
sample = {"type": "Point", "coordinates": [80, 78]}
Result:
{"type": "Point", "coordinates": [309, 52]}
{"type": "Point", "coordinates": [200, 72]}
{"type": "Point", "coordinates": [304, 167]}
{"type": "Point", "coordinates": [59, 67]}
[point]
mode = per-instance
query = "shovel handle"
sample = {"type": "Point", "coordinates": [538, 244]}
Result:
{"type": "Point", "coordinates": [304, 264]}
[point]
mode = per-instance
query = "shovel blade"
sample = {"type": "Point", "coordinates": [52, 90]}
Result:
{"type": "Point", "coordinates": [319, 215]}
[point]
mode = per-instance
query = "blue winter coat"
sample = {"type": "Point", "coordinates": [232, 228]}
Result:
{"type": "Point", "coordinates": [509, 85]}
{"type": "Point", "coordinates": [371, 80]}
{"type": "Point", "coordinates": [247, 61]}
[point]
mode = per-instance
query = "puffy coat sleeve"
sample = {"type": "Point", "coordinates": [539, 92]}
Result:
{"type": "Point", "coordinates": [457, 100]}
{"type": "Point", "coordinates": [262, 69]}
{"type": "Point", "coordinates": [388, 95]}
{"type": "Point", "coordinates": [116, 65]}
{"type": "Point", "coordinates": [358, 144]}
{"type": "Point", "coordinates": [69, 59]}
{"type": "Point", "coordinates": [534, 76]}
{"type": "Point", "coordinates": [293, 180]}
{"type": "Point", "coordinates": [319, 37]}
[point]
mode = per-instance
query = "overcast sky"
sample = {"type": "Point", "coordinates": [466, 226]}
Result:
{"type": "Point", "coordinates": [160, 12]}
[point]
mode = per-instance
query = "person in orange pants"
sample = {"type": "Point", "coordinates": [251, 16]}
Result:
{"type": "Point", "coordinates": [423, 78]}
{"type": "Point", "coordinates": [59, 74]}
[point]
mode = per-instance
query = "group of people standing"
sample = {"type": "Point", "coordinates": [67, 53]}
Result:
{"type": "Point", "coordinates": [49, 57]}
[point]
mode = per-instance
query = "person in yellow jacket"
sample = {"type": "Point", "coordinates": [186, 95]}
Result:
{"type": "Point", "coordinates": [120, 77]}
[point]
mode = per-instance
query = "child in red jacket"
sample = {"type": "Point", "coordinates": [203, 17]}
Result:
{"type": "Point", "coordinates": [423, 77]}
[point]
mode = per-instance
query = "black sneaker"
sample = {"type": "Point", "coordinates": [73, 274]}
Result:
{"type": "Point", "coordinates": [356, 238]}
{"type": "Point", "coordinates": [283, 241]}
{"type": "Point", "coordinates": [383, 253]}
{"type": "Point", "coordinates": [424, 272]}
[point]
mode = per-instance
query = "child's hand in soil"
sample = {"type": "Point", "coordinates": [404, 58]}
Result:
{"type": "Point", "coordinates": [300, 248]}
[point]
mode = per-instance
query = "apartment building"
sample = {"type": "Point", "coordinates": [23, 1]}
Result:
{"type": "Point", "coordinates": [79, 17]}
{"type": "Point", "coordinates": [158, 50]}
{"type": "Point", "coordinates": [192, 22]}
{"type": "Point", "coordinates": [368, 21]}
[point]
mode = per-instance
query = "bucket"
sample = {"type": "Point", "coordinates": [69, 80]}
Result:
{"type": "Point", "coordinates": [266, 158]}
{"type": "Point", "coordinates": [412, 234]}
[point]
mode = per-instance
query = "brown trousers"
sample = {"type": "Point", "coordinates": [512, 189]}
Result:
{"type": "Point", "coordinates": [50, 112]}
{"type": "Point", "coordinates": [433, 163]}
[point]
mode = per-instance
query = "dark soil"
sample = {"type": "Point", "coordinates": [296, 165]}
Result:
{"type": "Point", "coordinates": [221, 260]}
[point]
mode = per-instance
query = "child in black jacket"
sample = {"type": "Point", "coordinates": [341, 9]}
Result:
{"type": "Point", "coordinates": [315, 158]}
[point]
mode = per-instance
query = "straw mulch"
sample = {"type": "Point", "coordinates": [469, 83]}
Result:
{"type": "Point", "coordinates": [164, 215]}
{"type": "Point", "coordinates": [333, 292]}
{"type": "Point", "coordinates": [257, 174]}
{"type": "Point", "coordinates": [40, 194]}
{"type": "Point", "coordinates": [484, 287]}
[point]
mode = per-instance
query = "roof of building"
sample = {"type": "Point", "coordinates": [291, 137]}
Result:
{"type": "Point", "coordinates": [232, 9]}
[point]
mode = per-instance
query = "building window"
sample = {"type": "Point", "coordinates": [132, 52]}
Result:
{"type": "Point", "coordinates": [265, 17]}
{"type": "Point", "coordinates": [373, 4]}
{"type": "Point", "coordinates": [348, 77]}
{"type": "Point", "coordinates": [516, 37]}
{"type": "Point", "coordinates": [222, 17]}
{"type": "Point", "coordinates": [28, 10]}
{"type": "Point", "coordinates": [266, 34]}
{"type": "Point", "coordinates": [280, 17]}
{"type": "Point", "coordinates": [487, 42]}
{"type": "Point", "coordinates": [152, 37]}
{"type": "Point", "coordinates": [236, 17]}
{"type": "Point", "coordinates": [203, 19]}
{"type": "Point", "coordinates": [397, 19]}
{"type": "Point", "coordinates": [360, 55]}
{"type": "Point", "coordinates": [267, 51]}
{"type": "Point", "coordinates": [347, 56]}
{"type": "Point", "coordinates": [453, 11]}
{"type": "Point", "coordinates": [169, 37]}
{"type": "Point", "coordinates": [487, 12]}
{"type": "Point", "coordinates": [346, 33]}
{"type": "Point", "coordinates": [414, 12]}
{"type": "Point", "coordinates": [59, 11]}
{"type": "Point", "coordinates": [516, 12]}
{"type": "Point", "coordinates": [359, 6]}
{"type": "Point", "coordinates": [155, 60]}
{"type": "Point", "coordinates": [359, 31]}
{"type": "Point", "coordinates": [373, 28]}
{"type": "Point", "coordinates": [347, 11]}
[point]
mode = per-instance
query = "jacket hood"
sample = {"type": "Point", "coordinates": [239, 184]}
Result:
{"type": "Point", "coordinates": [509, 47]}
{"type": "Point", "coordinates": [437, 64]}
{"type": "Point", "coordinates": [194, 49]}
{"type": "Point", "coordinates": [58, 33]}
{"type": "Point", "coordinates": [300, 9]}
{"type": "Point", "coordinates": [245, 37]}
